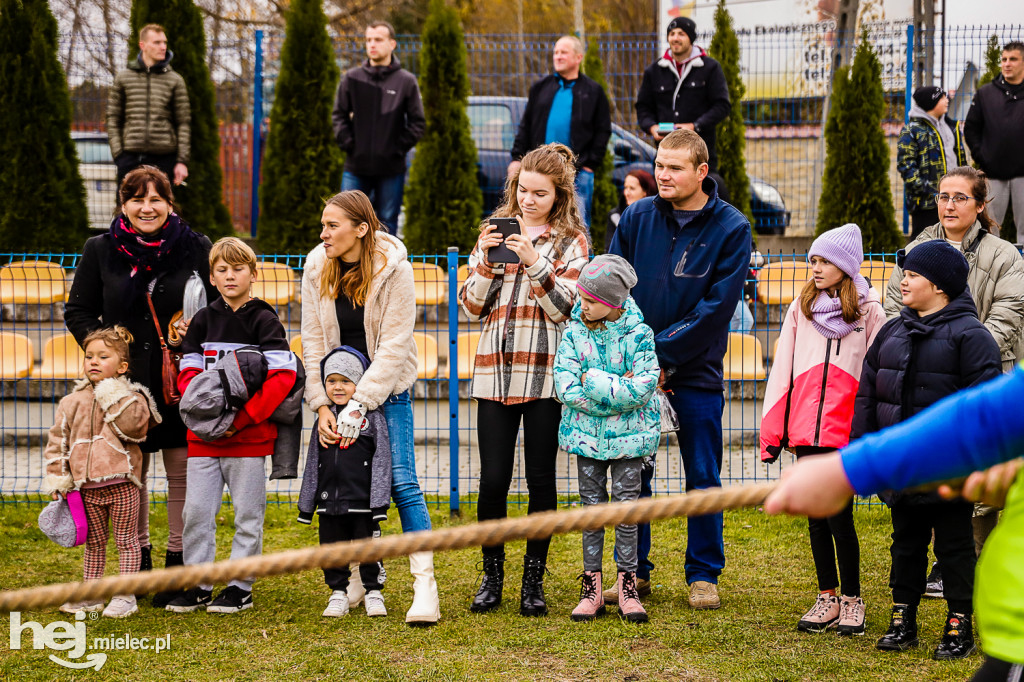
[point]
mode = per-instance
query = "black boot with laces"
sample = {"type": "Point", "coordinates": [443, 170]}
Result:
{"type": "Point", "coordinates": [902, 633]}
{"type": "Point", "coordinates": [957, 638]}
{"type": "Point", "coordinates": [531, 598]}
{"type": "Point", "coordinates": [488, 597]}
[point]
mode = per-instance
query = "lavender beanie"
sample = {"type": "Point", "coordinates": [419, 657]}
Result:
{"type": "Point", "coordinates": [842, 247]}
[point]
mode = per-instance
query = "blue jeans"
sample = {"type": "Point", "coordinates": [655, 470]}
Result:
{"type": "Point", "coordinates": [405, 489]}
{"type": "Point", "coordinates": [585, 190]}
{"type": "Point", "coordinates": [385, 193]}
{"type": "Point", "coordinates": [700, 443]}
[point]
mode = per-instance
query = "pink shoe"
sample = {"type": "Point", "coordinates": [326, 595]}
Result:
{"type": "Point", "coordinates": [591, 600]}
{"type": "Point", "coordinates": [630, 607]}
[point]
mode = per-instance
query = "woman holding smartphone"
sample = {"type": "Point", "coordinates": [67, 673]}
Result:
{"type": "Point", "coordinates": [523, 306]}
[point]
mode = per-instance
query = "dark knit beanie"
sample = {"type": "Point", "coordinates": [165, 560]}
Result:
{"type": "Point", "coordinates": [940, 263]}
{"type": "Point", "coordinates": [688, 25]}
{"type": "Point", "coordinates": [929, 96]}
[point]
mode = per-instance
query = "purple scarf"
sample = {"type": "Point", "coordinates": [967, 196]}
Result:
{"type": "Point", "coordinates": [827, 312]}
{"type": "Point", "coordinates": [149, 256]}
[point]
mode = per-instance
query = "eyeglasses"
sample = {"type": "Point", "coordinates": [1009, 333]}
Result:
{"type": "Point", "coordinates": [957, 199]}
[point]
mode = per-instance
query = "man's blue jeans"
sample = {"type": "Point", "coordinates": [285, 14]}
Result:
{"type": "Point", "coordinates": [585, 190]}
{"type": "Point", "coordinates": [405, 489]}
{"type": "Point", "coordinates": [385, 193]}
{"type": "Point", "coordinates": [700, 443]}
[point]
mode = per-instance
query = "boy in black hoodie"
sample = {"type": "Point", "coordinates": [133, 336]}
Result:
{"type": "Point", "coordinates": [349, 486]}
{"type": "Point", "coordinates": [936, 347]}
{"type": "Point", "coordinates": [233, 321]}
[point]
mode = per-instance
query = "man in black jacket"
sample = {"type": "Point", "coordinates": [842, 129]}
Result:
{"type": "Point", "coordinates": [570, 108]}
{"type": "Point", "coordinates": [378, 118]}
{"type": "Point", "coordinates": [993, 131]}
{"type": "Point", "coordinates": [684, 89]}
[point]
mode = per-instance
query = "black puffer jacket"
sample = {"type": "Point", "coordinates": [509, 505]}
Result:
{"type": "Point", "coordinates": [917, 361]}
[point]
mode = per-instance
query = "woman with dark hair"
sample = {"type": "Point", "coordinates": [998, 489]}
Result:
{"type": "Point", "coordinates": [637, 185]}
{"type": "Point", "coordinates": [148, 249]}
{"type": "Point", "coordinates": [358, 291]}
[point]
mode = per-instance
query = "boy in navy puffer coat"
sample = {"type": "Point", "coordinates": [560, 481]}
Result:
{"type": "Point", "coordinates": [936, 347]}
{"type": "Point", "coordinates": [606, 373]}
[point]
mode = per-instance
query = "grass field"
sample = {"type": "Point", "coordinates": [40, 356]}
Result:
{"type": "Point", "coordinates": [767, 585]}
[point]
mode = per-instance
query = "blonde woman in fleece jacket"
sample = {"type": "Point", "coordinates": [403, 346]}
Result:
{"type": "Point", "coordinates": [809, 400]}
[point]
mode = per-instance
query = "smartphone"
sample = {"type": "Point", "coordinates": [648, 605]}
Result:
{"type": "Point", "coordinates": [501, 253]}
{"type": "Point", "coordinates": [666, 127]}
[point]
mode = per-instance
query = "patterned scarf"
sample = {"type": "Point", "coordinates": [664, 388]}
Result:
{"type": "Point", "coordinates": [827, 312]}
{"type": "Point", "coordinates": [150, 255]}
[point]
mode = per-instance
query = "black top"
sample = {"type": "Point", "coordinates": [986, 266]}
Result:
{"type": "Point", "coordinates": [350, 317]}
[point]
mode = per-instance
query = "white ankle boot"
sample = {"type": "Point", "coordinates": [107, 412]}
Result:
{"type": "Point", "coordinates": [425, 609]}
{"type": "Point", "coordinates": [356, 593]}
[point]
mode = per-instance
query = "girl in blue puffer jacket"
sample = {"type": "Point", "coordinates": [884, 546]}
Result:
{"type": "Point", "coordinates": [606, 373]}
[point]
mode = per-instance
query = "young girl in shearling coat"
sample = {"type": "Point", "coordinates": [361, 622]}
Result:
{"type": "Point", "coordinates": [94, 448]}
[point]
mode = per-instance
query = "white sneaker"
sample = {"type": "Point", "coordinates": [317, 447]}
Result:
{"type": "Point", "coordinates": [121, 606]}
{"type": "Point", "coordinates": [337, 605]}
{"type": "Point", "coordinates": [374, 601]}
{"type": "Point", "coordinates": [76, 606]}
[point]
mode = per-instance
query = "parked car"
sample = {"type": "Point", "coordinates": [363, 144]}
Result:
{"type": "Point", "coordinates": [99, 175]}
{"type": "Point", "coordinates": [495, 121]}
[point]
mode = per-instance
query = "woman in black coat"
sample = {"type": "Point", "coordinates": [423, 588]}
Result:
{"type": "Point", "coordinates": [148, 246]}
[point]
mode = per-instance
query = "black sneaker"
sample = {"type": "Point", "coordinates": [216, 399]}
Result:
{"type": "Point", "coordinates": [933, 585]}
{"type": "Point", "coordinates": [232, 600]}
{"type": "Point", "coordinates": [190, 600]}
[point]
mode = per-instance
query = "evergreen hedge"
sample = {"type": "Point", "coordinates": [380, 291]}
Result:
{"type": "Point", "coordinates": [43, 198]}
{"type": "Point", "coordinates": [200, 200]}
{"type": "Point", "coordinates": [302, 166]}
{"type": "Point", "coordinates": [606, 196]}
{"type": "Point", "coordinates": [731, 133]}
{"type": "Point", "coordinates": [443, 202]}
{"type": "Point", "coordinates": [993, 58]}
{"type": "Point", "coordinates": [855, 186]}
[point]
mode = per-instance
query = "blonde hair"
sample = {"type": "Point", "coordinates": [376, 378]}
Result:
{"type": "Point", "coordinates": [116, 338]}
{"type": "Point", "coordinates": [354, 284]}
{"type": "Point", "coordinates": [151, 28]}
{"type": "Point", "coordinates": [690, 141]}
{"type": "Point", "coordinates": [556, 162]}
{"type": "Point", "coordinates": [233, 251]}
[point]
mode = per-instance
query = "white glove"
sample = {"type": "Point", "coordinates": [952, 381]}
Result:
{"type": "Point", "coordinates": [350, 419]}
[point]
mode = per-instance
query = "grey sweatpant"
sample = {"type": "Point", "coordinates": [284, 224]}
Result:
{"type": "Point", "coordinates": [247, 482]}
{"type": "Point", "coordinates": [1003, 193]}
{"type": "Point", "coordinates": [593, 475]}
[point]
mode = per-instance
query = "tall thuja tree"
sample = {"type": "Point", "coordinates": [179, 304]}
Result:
{"type": "Point", "coordinates": [302, 166]}
{"type": "Point", "coordinates": [855, 187]}
{"type": "Point", "coordinates": [42, 198]}
{"type": "Point", "coordinates": [731, 132]}
{"type": "Point", "coordinates": [200, 200]}
{"type": "Point", "coordinates": [993, 56]}
{"type": "Point", "coordinates": [606, 196]}
{"type": "Point", "coordinates": [443, 202]}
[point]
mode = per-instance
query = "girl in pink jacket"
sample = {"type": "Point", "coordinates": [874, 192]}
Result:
{"type": "Point", "coordinates": [808, 405]}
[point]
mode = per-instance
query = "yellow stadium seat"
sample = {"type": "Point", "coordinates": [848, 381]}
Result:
{"type": "Point", "coordinates": [34, 282]}
{"type": "Point", "coordinates": [296, 345]}
{"type": "Point", "coordinates": [62, 359]}
{"type": "Point", "coordinates": [426, 355]}
{"type": "Point", "coordinates": [467, 346]}
{"type": "Point", "coordinates": [780, 283]}
{"type": "Point", "coordinates": [275, 283]}
{"type": "Point", "coordinates": [744, 360]}
{"type": "Point", "coordinates": [877, 272]}
{"type": "Point", "coordinates": [16, 358]}
{"type": "Point", "coordinates": [430, 281]}
{"type": "Point", "coordinates": [462, 274]}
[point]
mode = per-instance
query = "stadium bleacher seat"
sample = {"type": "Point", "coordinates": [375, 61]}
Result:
{"type": "Point", "coordinates": [426, 355]}
{"type": "Point", "coordinates": [32, 282]}
{"type": "Point", "coordinates": [275, 283]}
{"type": "Point", "coordinates": [62, 359]}
{"type": "Point", "coordinates": [296, 345]}
{"type": "Point", "coordinates": [780, 283]}
{"type": "Point", "coordinates": [462, 274]}
{"type": "Point", "coordinates": [16, 357]}
{"type": "Point", "coordinates": [744, 360]}
{"type": "Point", "coordinates": [467, 345]}
{"type": "Point", "coordinates": [430, 281]}
{"type": "Point", "coordinates": [877, 272]}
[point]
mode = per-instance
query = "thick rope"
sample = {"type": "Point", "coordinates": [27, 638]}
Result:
{"type": "Point", "coordinates": [545, 524]}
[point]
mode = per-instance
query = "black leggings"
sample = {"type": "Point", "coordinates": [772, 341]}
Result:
{"type": "Point", "coordinates": [497, 427]}
{"type": "Point", "coordinates": [834, 539]}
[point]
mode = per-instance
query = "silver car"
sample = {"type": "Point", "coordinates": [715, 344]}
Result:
{"type": "Point", "coordinates": [99, 175]}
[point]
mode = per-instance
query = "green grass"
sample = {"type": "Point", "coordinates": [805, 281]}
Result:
{"type": "Point", "coordinates": [767, 585]}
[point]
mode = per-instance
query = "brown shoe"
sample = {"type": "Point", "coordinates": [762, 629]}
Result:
{"type": "Point", "coordinates": [611, 595]}
{"type": "Point", "coordinates": [704, 595]}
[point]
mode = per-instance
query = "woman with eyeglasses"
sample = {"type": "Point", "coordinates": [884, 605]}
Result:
{"type": "Point", "coordinates": [995, 278]}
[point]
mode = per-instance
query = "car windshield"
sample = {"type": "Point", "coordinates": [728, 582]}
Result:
{"type": "Point", "coordinates": [93, 151]}
{"type": "Point", "coordinates": [492, 127]}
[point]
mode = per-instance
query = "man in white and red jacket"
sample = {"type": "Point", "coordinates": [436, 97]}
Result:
{"type": "Point", "coordinates": [231, 322]}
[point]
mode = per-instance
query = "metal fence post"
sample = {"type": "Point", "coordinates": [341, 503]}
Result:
{"type": "Point", "coordinates": [453, 380]}
{"type": "Point", "coordinates": [908, 102]}
{"type": "Point", "coordinates": [257, 134]}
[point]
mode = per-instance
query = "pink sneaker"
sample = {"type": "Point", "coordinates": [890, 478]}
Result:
{"type": "Point", "coordinates": [630, 607]}
{"type": "Point", "coordinates": [822, 615]}
{"type": "Point", "coordinates": [591, 600]}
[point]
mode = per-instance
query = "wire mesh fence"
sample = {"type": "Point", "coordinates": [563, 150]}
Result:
{"type": "Point", "coordinates": [39, 363]}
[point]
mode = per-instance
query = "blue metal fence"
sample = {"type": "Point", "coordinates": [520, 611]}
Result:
{"type": "Point", "coordinates": [445, 418]}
